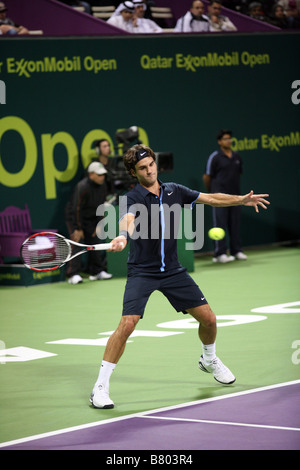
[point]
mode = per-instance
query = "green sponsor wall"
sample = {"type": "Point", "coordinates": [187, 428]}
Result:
{"type": "Point", "coordinates": [59, 95]}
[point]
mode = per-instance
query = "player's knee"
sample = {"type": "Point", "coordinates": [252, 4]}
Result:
{"type": "Point", "coordinates": [128, 324]}
{"type": "Point", "coordinates": [210, 321]}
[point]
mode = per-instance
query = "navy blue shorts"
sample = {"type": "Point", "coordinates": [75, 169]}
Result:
{"type": "Point", "coordinates": [178, 286]}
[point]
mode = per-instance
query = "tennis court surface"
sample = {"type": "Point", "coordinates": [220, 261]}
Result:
{"type": "Point", "coordinates": [53, 338]}
{"type": "Point", "coordinates": [263, 419]}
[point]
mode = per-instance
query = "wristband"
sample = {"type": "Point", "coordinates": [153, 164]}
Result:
{"type": "Point", "coordinates": [124, 233]}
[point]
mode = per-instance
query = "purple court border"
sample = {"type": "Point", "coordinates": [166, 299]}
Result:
{"type": "Point", "coordinates": [267, 418]}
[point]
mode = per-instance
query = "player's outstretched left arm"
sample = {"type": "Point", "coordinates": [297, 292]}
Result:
{"type": "Point", "coordinates": [225, 200]}
{"type": "Point", "coordinates": [256, 200]}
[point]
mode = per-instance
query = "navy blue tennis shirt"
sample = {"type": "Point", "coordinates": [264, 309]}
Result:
{"type": "Point", "coordinates": [153, 245]}
{"type": "Point", "coordinates": [225, 172]}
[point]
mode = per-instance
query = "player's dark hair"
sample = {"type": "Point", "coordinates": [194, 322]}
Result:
{"type": "Point", "coordinates": [136, 153]}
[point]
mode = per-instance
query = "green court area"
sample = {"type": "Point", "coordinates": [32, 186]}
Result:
{"type": "Point", "coordinates": [53, 337]}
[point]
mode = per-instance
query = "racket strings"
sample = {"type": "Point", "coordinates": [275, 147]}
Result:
{"type": "Point", "coordinates": [45, 251]}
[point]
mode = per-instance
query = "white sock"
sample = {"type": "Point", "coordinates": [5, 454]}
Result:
{"type": "Point", "coordinates": [106, 369]}
{"type": "Point", "coordinates": [209, 352]}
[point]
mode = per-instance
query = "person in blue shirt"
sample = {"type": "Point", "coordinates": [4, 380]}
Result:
{"type": "Point", "coordinates": [223, 174]}
{"type": "Point", "coordinates": [153, 264]}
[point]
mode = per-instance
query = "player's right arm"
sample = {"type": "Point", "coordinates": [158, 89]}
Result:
{"type": "Point", "coordinates": [126, 228]}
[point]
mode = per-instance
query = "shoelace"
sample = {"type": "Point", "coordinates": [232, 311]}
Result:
{"type": "Point", "coordinates": [103, 391]}
{"type": "Point", "coordinates": [219, 365]}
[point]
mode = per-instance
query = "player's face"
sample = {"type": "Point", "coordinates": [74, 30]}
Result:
{"type": "Point", "coordinates": [146, 171]}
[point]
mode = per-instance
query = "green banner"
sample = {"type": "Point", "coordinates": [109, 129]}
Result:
{"type": "Point", "coordinates": [59, 95]}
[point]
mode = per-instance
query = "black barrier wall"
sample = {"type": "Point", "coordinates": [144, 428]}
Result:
{"type": "Point", "coordinates": [59, 95]}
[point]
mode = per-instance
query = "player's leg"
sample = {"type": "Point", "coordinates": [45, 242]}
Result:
{"type": "Point", "coordinates": [207, 332]}
{"type": "Point", "coordinates": [186, 297]}
{"type": "Point", "coordinates": [137, 291]}
{"type": "Point", "coordinates": [113, 351]}
{"type": "Point", "coordinates": [117, 342]}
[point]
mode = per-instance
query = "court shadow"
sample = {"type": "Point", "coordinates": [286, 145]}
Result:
{"type": "Point", "coordinates": [213, 391]}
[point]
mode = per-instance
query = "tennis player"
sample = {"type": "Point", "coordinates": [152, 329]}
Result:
{"type": "Point", "coordinates": [153, 265]}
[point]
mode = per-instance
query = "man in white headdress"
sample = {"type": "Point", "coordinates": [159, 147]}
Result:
{"type": "Point", "coordinates": [123, 17]}
{"type": "Point", "coordinates": [137, 23]}
{"type": "Point", "coordinates": [144, 25]}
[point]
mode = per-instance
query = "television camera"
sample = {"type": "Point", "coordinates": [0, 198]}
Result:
{"type": "Point", "coordinates": [119, 177]}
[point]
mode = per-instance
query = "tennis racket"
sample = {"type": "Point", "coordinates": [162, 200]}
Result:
{"type": "Point", "coordinates": [47, 251]}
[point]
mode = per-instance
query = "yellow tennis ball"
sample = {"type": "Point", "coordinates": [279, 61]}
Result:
{"type": "Point", "coordinates": [216, 233]}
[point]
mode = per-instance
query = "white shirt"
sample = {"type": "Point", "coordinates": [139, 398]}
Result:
{"type": "Point", "coordinates": [189, 24]}
{"type": "Point", "coordinates": [119, 22]}
{"type": "Point", "coordinates": [143, 25]}
{"type": "Point", "coordinates": [224, 25]}
{"type": "Point", "coordinates": [147, 26]}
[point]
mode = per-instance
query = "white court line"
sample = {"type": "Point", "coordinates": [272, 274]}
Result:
{"type": "Point", "coordinates": [226, 423]}
{"type": "Point", "coordinates": [143, 414]}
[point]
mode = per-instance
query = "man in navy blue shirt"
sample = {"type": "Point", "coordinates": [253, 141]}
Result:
{"type": "Point", "coordinates": [153, 264]}
{"type": "Point", "coordinates": [150, 251]}
{"type": "Point", "coordinates": [222, 175]}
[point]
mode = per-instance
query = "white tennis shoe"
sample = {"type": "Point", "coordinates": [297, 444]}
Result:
{"type": "Point", "coordinates": [100, 398]}
{"type": "Point", "coordinates": [220, 372]}
{"type": "Point", "coordinates": [240, 256]}
{"type": "Point", "coordinates": [100, 276]}
{"type": "Point", "coordinates": [76, 279]}
{"type": "Point", "coordinates": [223, 259]}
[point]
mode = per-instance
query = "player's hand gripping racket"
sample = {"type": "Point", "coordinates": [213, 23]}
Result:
{"type": "Point", "coordinates": [47, 251]}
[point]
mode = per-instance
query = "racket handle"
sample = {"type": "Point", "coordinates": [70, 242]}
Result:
{"type": "Point", "coordinates": [102, 246]}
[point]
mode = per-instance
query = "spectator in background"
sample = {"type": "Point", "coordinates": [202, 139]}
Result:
{"type": "Point", "coordinates": [6, 30]}
{"type": "Point", "coordinates": [8, 26]}
{"type": "Point", "coordinates": [123, 17]}
{"type": "Point", "coordinates": [255, 11]}
{"type": "Point", "coordinates": [278, 17]}
{"type": "Point", "coordinates": [218, 22]}
{"type": "Point", "coordinates": [82, 221]}
{"type": "Point", "coordinates": [289, 3]}
{"type": "Point", "coordinates": [292, 13]}
{"type": "Point", "coordinates": [145, 25]}
{"type": "Point", "coordinates": [103, 151]}
{"type": "Point", "coordinates": [148, 4]}
{"type": "Point", "coordinates": [130, 16]}
{"type": "Point", "coordinates": [242, 6]}
{"type": "Point", "coordinates": [147, 8]}
{"type": "Point", "coordinates": [193, 21]}
{"type": "Point", "coordinates": [222, 175]}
